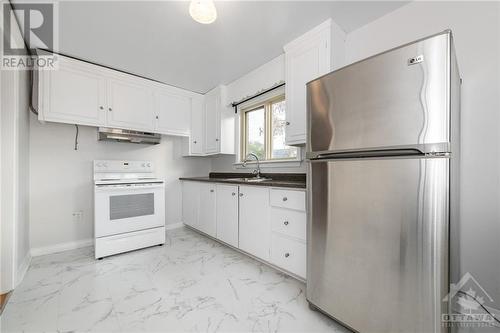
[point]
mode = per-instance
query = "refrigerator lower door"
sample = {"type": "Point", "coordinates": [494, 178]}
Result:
{"type": "Point", "coordinates": [378, 242]}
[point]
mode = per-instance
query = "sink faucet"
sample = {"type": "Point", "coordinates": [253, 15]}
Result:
{"type": "Point", "coordinates": [256, 172]}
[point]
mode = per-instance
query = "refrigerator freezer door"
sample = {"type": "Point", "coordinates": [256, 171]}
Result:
{"type": "Point", "coordinates": [378, 242]}
{"type": "Point", "coordinates": [396, 99]}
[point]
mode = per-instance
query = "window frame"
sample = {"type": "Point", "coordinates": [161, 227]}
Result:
{"type": "Point", "coordinates": [268, 137]}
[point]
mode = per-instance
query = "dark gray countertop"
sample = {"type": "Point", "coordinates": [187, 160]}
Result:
{"type": "Point", "coordinates": [290, 180]}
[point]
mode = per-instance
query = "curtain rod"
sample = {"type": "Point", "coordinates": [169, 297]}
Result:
{"type": "Point", "coordinates": [235, 104]}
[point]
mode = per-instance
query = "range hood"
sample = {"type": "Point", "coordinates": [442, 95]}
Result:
{"type": "Point", "coordinates": [121, 135]}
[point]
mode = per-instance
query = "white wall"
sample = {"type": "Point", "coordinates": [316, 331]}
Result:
{"type": "Point", "coordinates": [23, 228]}
{"type": "Point", "coordinates": [476, 30]}
{"type": "Point", "coordinates": [61, 178]}
{"type": "Point", "coordinates": [14, 173]}
{"type": "Point", "coordinates": [261, 78]}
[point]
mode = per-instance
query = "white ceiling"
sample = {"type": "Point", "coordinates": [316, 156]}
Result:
{"type": "Point", "coordinates": [159, 40]}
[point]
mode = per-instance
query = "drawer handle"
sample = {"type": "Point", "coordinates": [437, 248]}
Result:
{"type": "Point", "coordinates": [285, 223]}
{"type": "Point", "coordinates": [287, 255]}
{"type": "Point", "coordinates": [285, 198]}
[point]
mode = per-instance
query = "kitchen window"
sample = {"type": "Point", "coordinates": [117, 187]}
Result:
{"type": "Point", "coordinates": [263, 131]}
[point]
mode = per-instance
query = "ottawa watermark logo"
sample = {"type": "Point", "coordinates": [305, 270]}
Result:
{"type": "Point", "coordinates": [470, 305]}
{"type": "Point", "coordinates": [29, 35]}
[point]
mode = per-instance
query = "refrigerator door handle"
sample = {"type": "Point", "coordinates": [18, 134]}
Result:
{"type": "Point", "coordinates": [365, 154]}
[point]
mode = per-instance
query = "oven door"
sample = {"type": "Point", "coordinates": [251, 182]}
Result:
{"type": "Point", "coordinates": [128, 207]}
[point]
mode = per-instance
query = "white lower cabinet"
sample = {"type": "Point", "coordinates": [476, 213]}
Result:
{"type": "Point", "coordinates": [289, 254]}
{"type": "Point", "coordinates": [289, 222]}
{"type": "Point", "coordinates": [190, 203]}
{"type": "Point", "coordinates": [227, 214]}
{"type": "Point", "coordinates": [254, 219]}
{"type": "Point", "coordinates": [206, 215]}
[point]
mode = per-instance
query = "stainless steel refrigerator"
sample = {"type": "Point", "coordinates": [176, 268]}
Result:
{"type": "Point", "coordinates": [383, 146]}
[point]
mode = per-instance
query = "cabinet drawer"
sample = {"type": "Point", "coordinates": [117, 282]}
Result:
{"type": "Point", "coordinates": [289, 222]}
{"type": "Point", "coordinates": [289, 254]}
{"type": "Point", "coordinates": [288, 199]}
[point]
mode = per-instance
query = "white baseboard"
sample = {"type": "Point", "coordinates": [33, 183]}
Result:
{"type": "Point", "coordinates": [174, 226]}
{"type": "Point", "coordinates": [23, 268]}
{"type": "Point", "coordinates": [61, 247]}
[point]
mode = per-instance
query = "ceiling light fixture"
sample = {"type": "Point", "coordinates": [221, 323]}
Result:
{"type": "Point", "coordinates": [203, 11]}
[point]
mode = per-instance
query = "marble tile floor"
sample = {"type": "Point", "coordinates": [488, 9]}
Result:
{"type": "Point", "coordinates": [191, 284]}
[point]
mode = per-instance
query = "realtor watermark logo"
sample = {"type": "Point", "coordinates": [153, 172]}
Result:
{"type": "Point", "coordinates": [29, 27]}
{"type": "Point", "coordinates": [469, 305]}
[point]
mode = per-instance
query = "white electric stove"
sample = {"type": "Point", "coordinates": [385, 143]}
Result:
{"type": "Point", "coordinates": [129, 207]}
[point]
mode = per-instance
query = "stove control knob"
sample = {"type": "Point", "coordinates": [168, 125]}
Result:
{"type": "Point", "coordinates": [148, 165]}
{"type": "Point", "coordinates": [98, 165]}
{"type": "Point", "coordinates": [105, 165]}
{"type": "Point", "coordinates": [143, 165]}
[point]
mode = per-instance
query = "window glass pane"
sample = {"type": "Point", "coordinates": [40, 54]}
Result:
{"type": "Point", "coordinates": [255, 121]}
{"type": "Point", "coordinates": [278, 148]}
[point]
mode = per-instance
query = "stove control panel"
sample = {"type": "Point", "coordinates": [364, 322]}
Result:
{"type": "Point", "coordinates": [123, 166]}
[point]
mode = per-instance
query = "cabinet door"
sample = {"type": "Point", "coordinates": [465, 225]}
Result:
{"type": "Point", "coordinates": [207, 209]}
{"type": "Point", "coordinates": [227, 214]}
{"type": "Point", "coordinates": [172, 112]}
{"type": "Point", "coordinates": [190, 203]}
{"type": "Point", "coordinates": [75, 93]}
{"type": "Point", "coordinates": [255, 228]}
{"type": "Point", "coordinates": [307, 60]}
{"type": "Point", "coordinates": [212, 122]}
{"type": "Point", "coordinates": [130, 105]}
{"type": "Point", "coordinates": [197, 128]}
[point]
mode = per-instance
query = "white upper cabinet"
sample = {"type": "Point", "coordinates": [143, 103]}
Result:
{"type": "Point", "coordinates": [74, 94]}
{"type": "Point", "coordinates": [307, 58]}
{"type": "Point", "coordinates": [86, 94]}
{"type": "Point", "coordinates": [214, 130]}
{"type": "Point", "coordinates": [130, 105]}
{"type": "Point", "coordinates": [172, 112]}
{"type": "Point", "coordinates": [195, 143]}
{"type": "Point", "coordinates": [212, 121]}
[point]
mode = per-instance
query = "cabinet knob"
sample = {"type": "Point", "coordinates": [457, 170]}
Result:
{"type": "Point", "coordinates": [241, 194]}
{"type": "Point", "coordinates": [287, 123]}
{"type": "Point", "coordinates": [285, 223]}
{"type": "Point", "coordinates": [157, 117]}
{"type": "Point", "coordinates": [194, 141]}
{"type": "Point", "coordinates": [287, 255]}
{"type": "Point", "coordinates": [110, 109]}
{"type": "Point", "coordinates": [101, 107]}
{"type": "Point", "coordinates": [216, 139]}
{"type": "Point", "coordinates": [211, 191]}
{"type": "Point", "coordinates": [285, 198]}
{"type": "Point", "coordinates": [233, 194]}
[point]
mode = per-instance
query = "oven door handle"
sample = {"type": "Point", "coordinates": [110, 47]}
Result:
{"type": "Point", "coordinates": [127, 187]}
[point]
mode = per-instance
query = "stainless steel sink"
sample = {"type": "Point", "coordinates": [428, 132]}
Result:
{"type": "Point", "coordinates": [249, 180]}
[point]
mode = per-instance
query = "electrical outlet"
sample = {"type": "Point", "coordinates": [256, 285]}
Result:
{"type": "Point", "coordinates": [78, 216]}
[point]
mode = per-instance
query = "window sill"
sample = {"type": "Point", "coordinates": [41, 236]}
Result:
{"type": "Point", "coordinates": [269, 164]}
